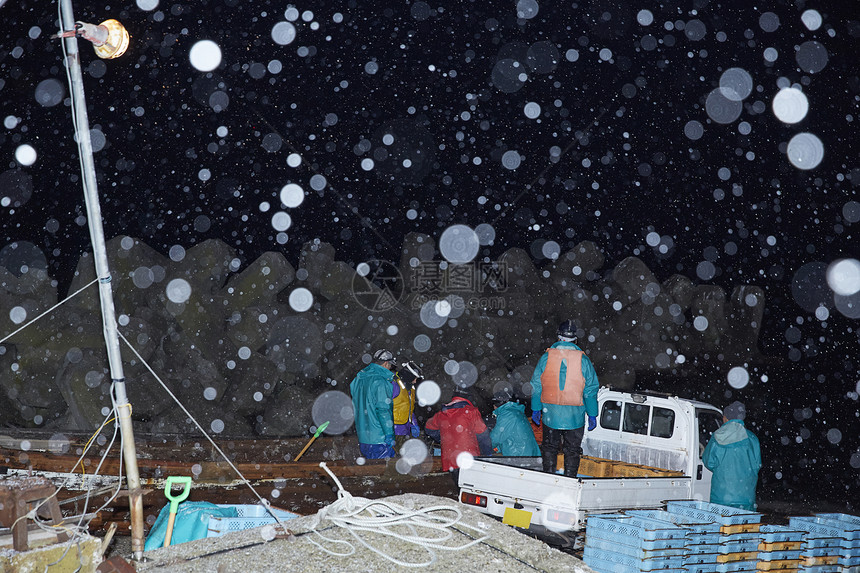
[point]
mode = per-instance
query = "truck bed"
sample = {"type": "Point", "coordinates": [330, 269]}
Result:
{"type": "Point", "coordinates": [516, 490]}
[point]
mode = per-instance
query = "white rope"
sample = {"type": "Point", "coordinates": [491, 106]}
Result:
{"type": "Point", "coordinates": [428, 528]}
{"type": "Point", "coordinates": [265, 503]}
{"type": "Point", "coordinates": [50, 310]}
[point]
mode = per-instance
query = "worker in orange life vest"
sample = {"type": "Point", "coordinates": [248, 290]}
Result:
{"type": "Point", "coordinates": [564, 392]}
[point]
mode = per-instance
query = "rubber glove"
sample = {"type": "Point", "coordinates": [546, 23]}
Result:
{"type": "Point", "coordinates": [592, 423]}
{"type": "Point", "coordinates": [536, 417]}
{"type": "Point", "coordinates": [389, 441]}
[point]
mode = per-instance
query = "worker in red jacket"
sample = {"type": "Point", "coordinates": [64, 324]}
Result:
{"type": "Point", "coordinates": [461, 431]}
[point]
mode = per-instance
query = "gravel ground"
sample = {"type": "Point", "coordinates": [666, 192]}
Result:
{"type": "Point", "coordinates": [505, 550]}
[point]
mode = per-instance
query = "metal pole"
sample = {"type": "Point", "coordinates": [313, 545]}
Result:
{"type": "Point", "coordinates": [94, 218]}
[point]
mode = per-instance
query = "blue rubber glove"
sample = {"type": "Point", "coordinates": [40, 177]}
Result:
{"type": "Point", "coordinates": [415, 430]}
{"type": "Point", "coordinates": [389, 441]}
{"type": "Point", "coordinates": [592, 423]}
{"type": "Point", "coordinates": [536, 417]}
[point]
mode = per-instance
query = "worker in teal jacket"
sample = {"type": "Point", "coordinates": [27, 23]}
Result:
{"type": "Point", "coordinates": [512, 436]}
{"type": "Point", "coordinates": [734, 455]}
{"type": "Point", "coordinates": [564, 392]}
{"type": "Point", "coordinates": [372, 403]}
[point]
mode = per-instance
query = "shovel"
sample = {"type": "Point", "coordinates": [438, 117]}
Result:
{"type": "Point", "coordinates": [315, 436]}
{"type": "Point", "coordinates": [174, 501]}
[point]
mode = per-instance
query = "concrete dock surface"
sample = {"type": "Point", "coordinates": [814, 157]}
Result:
{"type": "Point", "coordinates": [476, 542]}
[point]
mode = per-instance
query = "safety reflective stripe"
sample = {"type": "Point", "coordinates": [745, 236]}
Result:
{"type": "Point", "coordinates": [569, 392]}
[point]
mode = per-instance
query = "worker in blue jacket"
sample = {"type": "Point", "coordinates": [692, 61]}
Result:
{"type": "Point", "coordinates": [734, 455]}
{"type": "Point", "coordinates": [512, 436]}
{"type": "Point", "coordinates": [372, 403]}
{"type": "Point", "coordinates": [564, 392]}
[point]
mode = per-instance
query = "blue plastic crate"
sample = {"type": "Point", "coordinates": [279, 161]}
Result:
{"type": "Point", "coordinates": [635, 542]}
{"type": "Point", "coordinates": [704, 548]}
{"type": "Point", "coordinates": [738, 547]}
{"type": "Point", "coordinates": [691, 524]}
{"type": "Point", "coordinates": [820, 569]}
{"type": "Point", "coordinates": [736, 566]}
{"type": "Point", "coordinates": [703, 538]}
{"type": "Point", "coordinates": [850, 563]}
{"type": "Point", "coordinates": [603, 566]}
{"type": "Point", "coordinates": [638, 552]}
{"type": "Point", "coordinates": [779, 555]}
{"type": "Point", "coordinates": [851, 519]}
{"type": "Point", "coordinates": [700, 558]}
{"type": "Point", "coordinates": [248, 517]}
{"type": "Point", "coordinates": [704, 511]}
{"type": "Point", "coordinates": [843, 529]}
{"type": "Point", "coordinates": [653, 564]}
{"type": "Point", "coordinates": [740, 537]}
{"type": "Point", "coordinates": [779, 534]}
{"type": "Point", "coordinates": [635, 527]}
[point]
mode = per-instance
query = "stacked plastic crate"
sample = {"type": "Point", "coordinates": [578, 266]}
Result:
{"type": "Point", "coordinates": [729, 544]}
{"type": "Point", "coordinates": [703, 537]}
{"type": "Point", "coordinates": [831, 543]}
{"type": "Point", "coordinates": [780, 549]}
{"type": "Point", "coordinates": [633, 544]}
{"type": "Point", "coordinates": [849, 561]}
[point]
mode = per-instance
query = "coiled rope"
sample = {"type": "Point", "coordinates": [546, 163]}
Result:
{"type": "Point", "coordinates": [429, 528]}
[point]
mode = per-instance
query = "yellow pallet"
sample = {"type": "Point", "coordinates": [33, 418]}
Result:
{"type": "Point", "coordinates": [730, 557]}
{"type": "Point", "coordinates": [780, 546]}
{"type": "Point", "coordinates": [822, 560]}
{"type": "Point", "coordinates": [741, 528]}
{"type": "Point", "coordinates": [782, 566]}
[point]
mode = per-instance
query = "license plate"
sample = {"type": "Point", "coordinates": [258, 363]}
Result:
{"type": "Point", "coordinates": [517, 517]}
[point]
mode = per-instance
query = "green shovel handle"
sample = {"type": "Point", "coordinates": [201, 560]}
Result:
{"type": "Point", "coordinates": [175, 499]}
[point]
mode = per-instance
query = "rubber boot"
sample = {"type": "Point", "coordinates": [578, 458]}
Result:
{"type": "Point", "coordinates": [549, 462]}
{"type": "Point", "coordinates": [571, 465]}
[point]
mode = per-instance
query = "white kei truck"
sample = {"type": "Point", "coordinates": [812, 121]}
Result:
{"type": "Point", "coordinates": [646, 450]}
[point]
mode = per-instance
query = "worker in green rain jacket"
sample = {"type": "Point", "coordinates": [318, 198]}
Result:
{"type": "Point", "coordinates": [371, 400]}
{"type": "Point", "coordinates": [512, 435]}
{"type": "Point", "coordinates": [734, 455]}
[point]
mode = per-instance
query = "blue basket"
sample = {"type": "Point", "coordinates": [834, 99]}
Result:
{"type": "Point", "coordinates": [704, 511]}
{"type": "Point", "coordinates": [740, 537]}
{"type": "Point", "coordinates": [712, 548]}
{"type": "Point", "coordinates": [680, 520]}
{"type": "Point", "coordinates": [634, 542]}
{"type": "Point", "coordinates": [634, 527]}
{"type": "Point", "coordinates": [850, 519]}
{"type": "Point", "coordinates": [638, 552]}
{"type": "Point", "coordinates": [654, 564]}
{"type": "Point", "coordinates": [721, 567]}
{"type": "Point", "coordinates": [779, 534]}
{"type": "Point", "coordinates": [603, 566]}
{"type": "Point", "coordinates": [843, 529]}
{"type": "Point", "coordinates": [821, 551]}
{"type": "Point", "coordinates": [820, 569]}
{"type": "Point", "coordinates": [779, 555]}
{"type": "Point", "coordinates": [739, 547]}
{"type": "Point", "coordinates": [248, 517]}
{"type": "Point", "coordinates": [704, 538]}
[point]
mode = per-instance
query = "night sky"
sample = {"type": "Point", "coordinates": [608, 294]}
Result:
{"type": "Point", "coordinates": [652, 129]}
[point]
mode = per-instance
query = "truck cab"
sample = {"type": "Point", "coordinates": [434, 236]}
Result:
{"type": "Point", "coordinates": [654, 430]}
